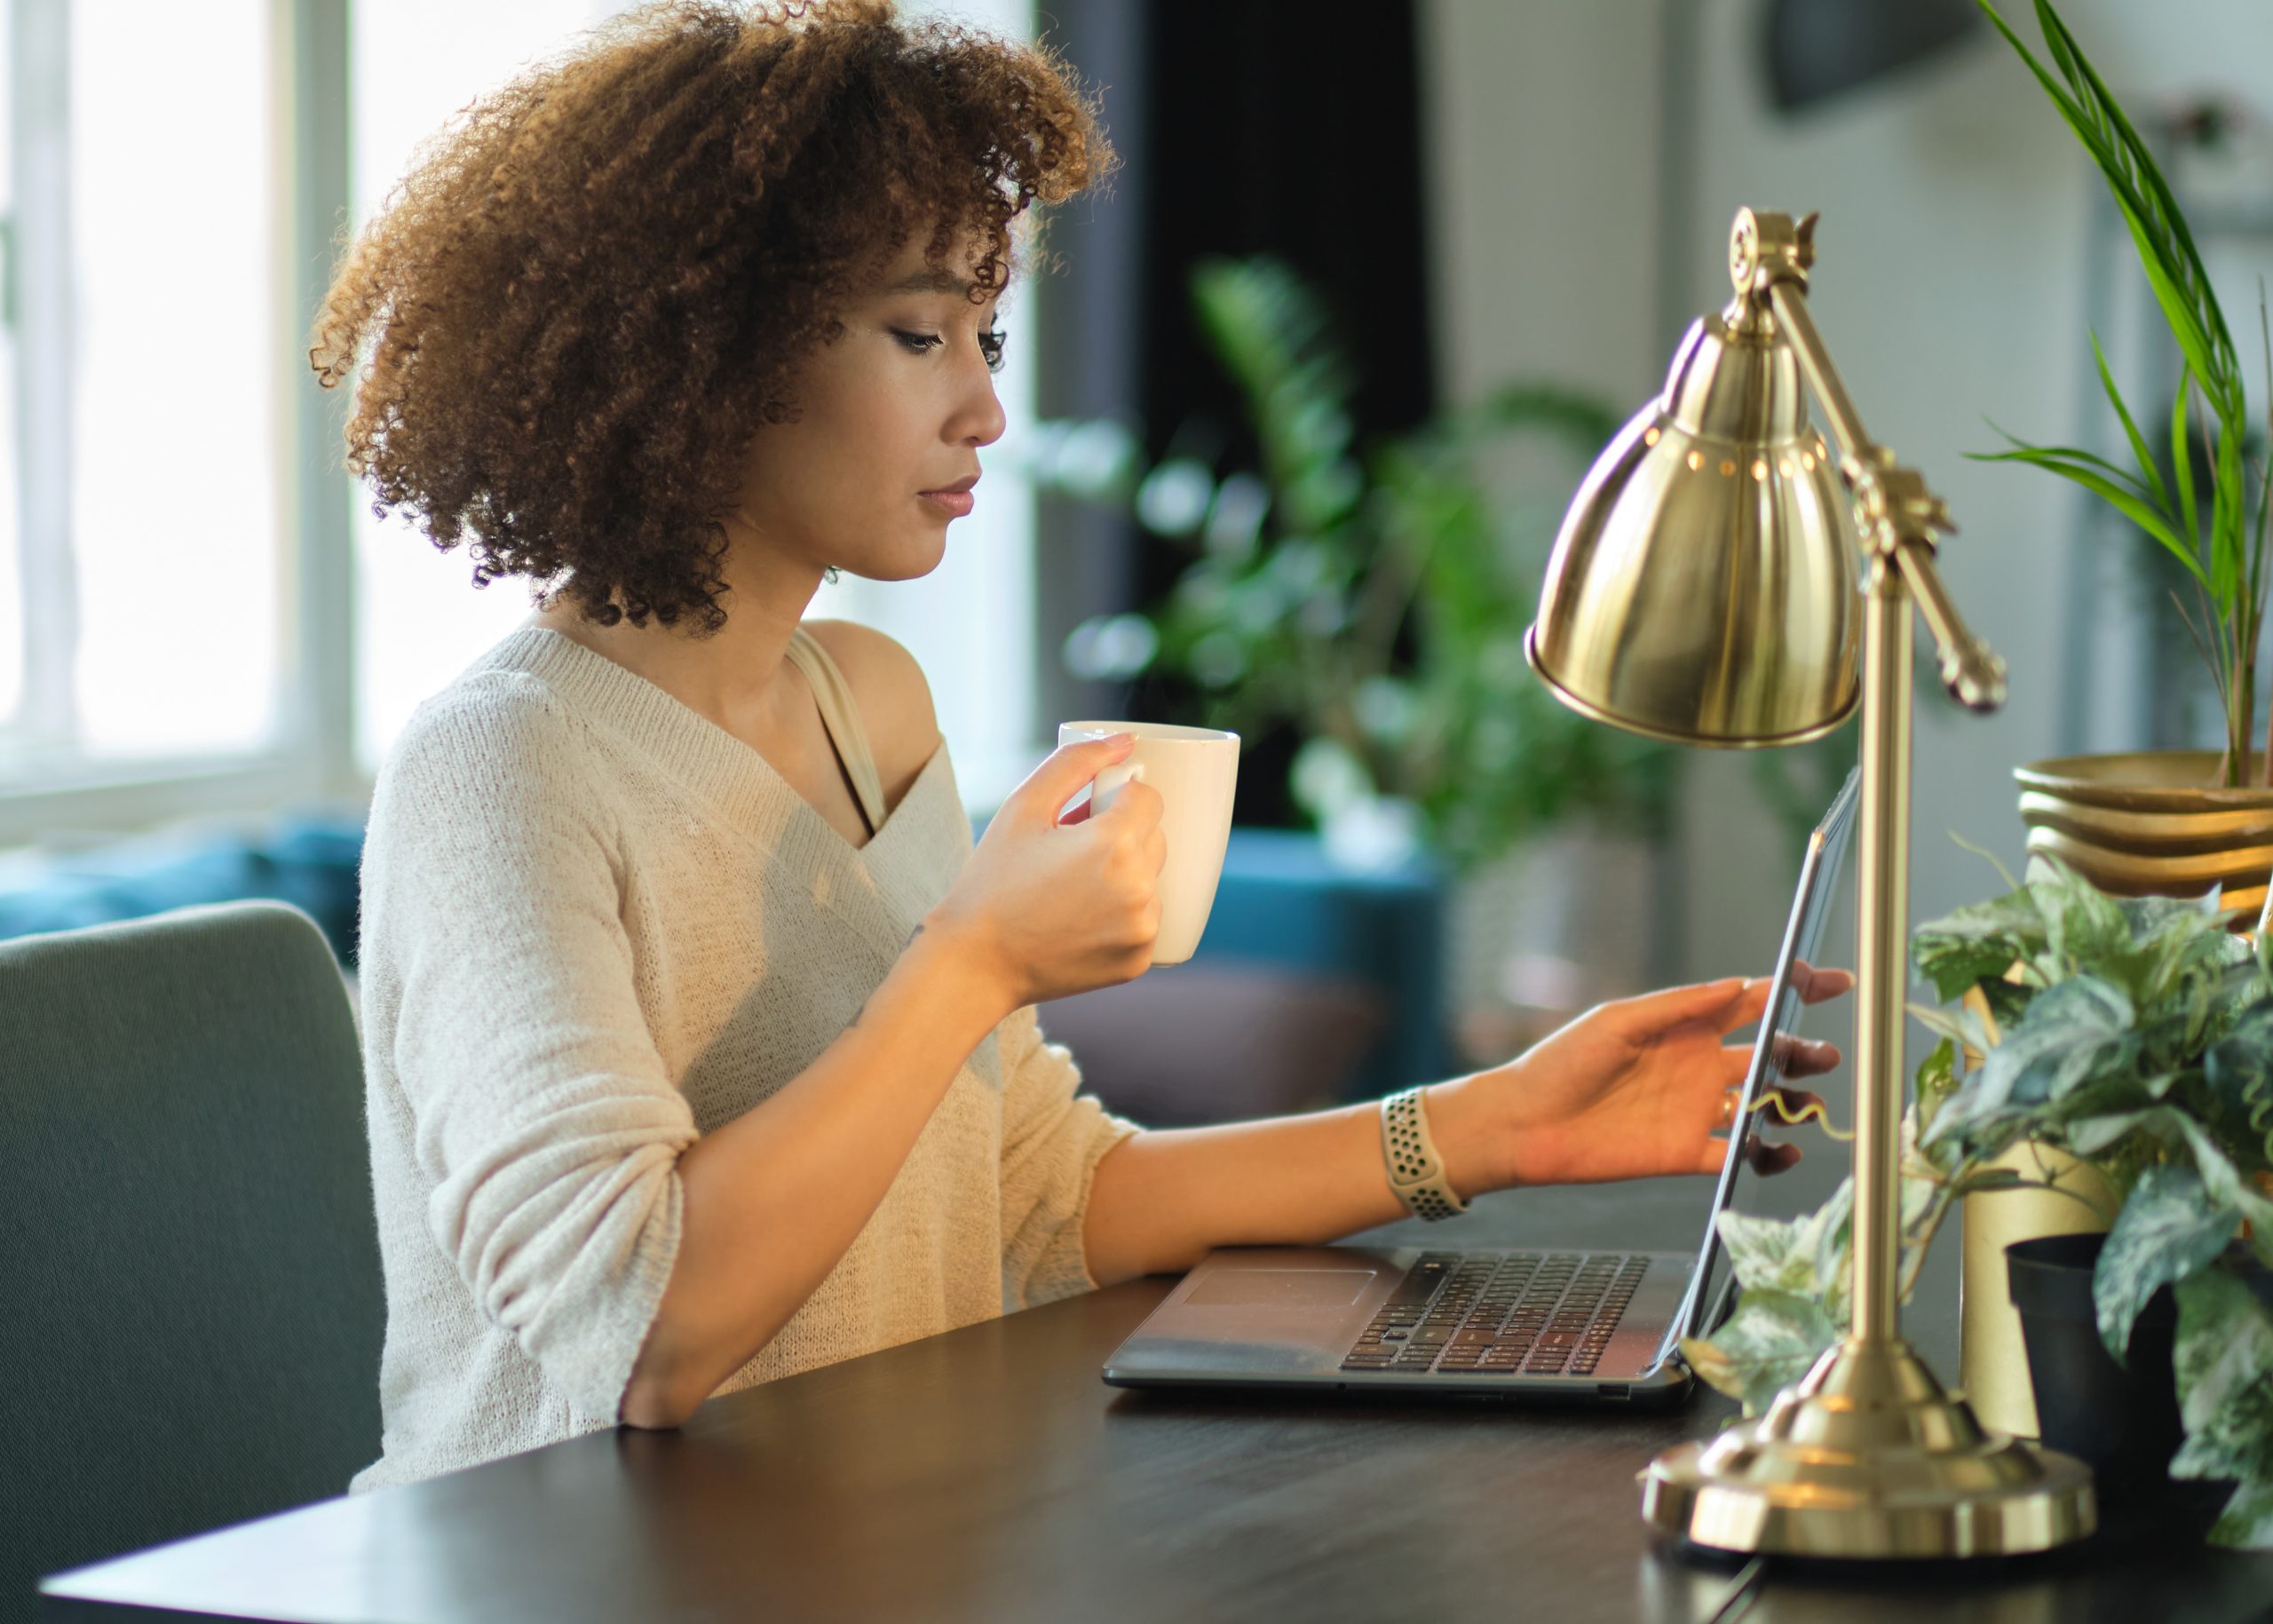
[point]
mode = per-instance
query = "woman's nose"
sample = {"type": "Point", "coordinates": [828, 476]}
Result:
{"type": "Point", "coordinates": [982, 420]}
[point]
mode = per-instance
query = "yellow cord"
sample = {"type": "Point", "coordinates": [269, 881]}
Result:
{"type": "Point", "coordinates": [1812, 1112]}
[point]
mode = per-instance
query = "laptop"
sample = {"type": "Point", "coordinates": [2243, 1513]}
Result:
{"type": "Point", "coordinates": [1407, 1322]}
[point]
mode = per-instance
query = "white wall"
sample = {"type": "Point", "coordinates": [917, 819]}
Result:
{"type": "Point", "coordinates": [1541, 144]}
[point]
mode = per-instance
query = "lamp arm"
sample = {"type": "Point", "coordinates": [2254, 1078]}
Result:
{"type": "Point", "coordinates": [1969, 669]}
{"type": "Point", "coordinates": [1899, 513]}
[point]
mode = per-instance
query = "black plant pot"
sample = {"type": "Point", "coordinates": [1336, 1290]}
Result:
{"type": "Point", "coordinates": [2120, 1419]}
{"type": "Point", "coordinates": [2122, 1422]}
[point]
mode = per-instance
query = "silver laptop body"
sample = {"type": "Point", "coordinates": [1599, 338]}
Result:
{"type": "Point", "coordinates": [1479, 1324]}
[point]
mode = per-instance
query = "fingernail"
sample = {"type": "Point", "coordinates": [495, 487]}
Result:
{"type": "Point", "coordinates": [1120, 740]}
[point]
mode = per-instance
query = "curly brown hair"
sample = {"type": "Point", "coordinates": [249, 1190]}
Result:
{"type": "Point", "coordinates": [595, 285]}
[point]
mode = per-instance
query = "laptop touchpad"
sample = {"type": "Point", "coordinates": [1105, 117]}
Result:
{"type": "Point", "coordinates": [1281, 1287]}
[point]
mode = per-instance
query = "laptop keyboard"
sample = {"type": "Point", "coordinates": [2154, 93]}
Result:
{"type": "Point", "coordinates": [1540, 1313]}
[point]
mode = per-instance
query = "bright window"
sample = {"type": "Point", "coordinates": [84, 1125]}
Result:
{"type": "Point", "coordinates": [174, 457]}
{"type": "Point", "coordinates": [140, 562]}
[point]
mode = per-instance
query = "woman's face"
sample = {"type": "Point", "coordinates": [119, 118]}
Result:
{"type": "Point", "coordinates": [897, 405]}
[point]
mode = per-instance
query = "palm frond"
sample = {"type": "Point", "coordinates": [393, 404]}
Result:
{"type": "Point", "coordinates": [2151, 476]}
{"type": "Point", "coordinates": [2166, 250]}
{"type": "Point", "coordinates": [2093, 473]}
{"type": "Point", "coordinates": [2227, 499]}
{"type": "Point", "coordinates": [2257, 575]}
{"type": "Point", "coordinates": [2182, 456]}
{"type": "Point", "coordinates": [2168, 221]}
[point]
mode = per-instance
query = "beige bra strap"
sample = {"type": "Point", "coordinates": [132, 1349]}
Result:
{"type": "Point", "coordinates": [841, 718]}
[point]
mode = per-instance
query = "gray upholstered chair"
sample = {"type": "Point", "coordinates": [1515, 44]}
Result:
{"type": "Point", "coordinates": [190, 1300]}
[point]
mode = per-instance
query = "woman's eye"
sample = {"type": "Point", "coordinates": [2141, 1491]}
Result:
{"type": "Point", "coordinates": [990, 344]}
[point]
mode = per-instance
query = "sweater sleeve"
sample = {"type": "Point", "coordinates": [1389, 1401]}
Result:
{"type": "Point", "coordinates": [1053, 1137]}
{"type": "Point", "coordinates": [547, 1128]}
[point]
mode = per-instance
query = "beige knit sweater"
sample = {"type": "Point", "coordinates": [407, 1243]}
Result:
{"type": "Point", "coordinates": [596, 926]}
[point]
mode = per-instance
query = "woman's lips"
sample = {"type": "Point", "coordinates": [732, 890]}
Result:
{"type": "Point", "coordinates": [956, 504]}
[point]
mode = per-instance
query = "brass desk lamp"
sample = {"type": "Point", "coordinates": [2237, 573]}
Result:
{"type": "Point", "coordinates": [1703, 590]}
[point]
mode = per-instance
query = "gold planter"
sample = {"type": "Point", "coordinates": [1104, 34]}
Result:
{"type": "Point", "coordinates": [2153, 823]}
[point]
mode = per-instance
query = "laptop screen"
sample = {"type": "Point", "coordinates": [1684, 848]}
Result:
{"type": "Point", "coordinates": [1819, 871]}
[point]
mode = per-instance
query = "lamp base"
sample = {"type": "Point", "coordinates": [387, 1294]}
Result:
{"type": "Point", "coordinates": [1868, 1457]}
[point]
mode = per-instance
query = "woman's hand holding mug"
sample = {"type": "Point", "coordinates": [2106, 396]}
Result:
{"type": "Point", "coordinates": [1047, 909]}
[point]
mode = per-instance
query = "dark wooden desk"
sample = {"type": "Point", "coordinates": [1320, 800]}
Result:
{"type": "Point", "coordinates": [988, 1475]}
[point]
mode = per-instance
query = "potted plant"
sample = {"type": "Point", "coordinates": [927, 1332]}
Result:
{"type": "Point", "coordinates": [2175, 822]}
{"type": "Point", "coordinates": [2135, 1036]}
{"type": "Point", "coordinates": [1370, 605]}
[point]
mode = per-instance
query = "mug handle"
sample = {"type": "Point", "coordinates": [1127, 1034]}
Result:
{"type": "Point", "coordinates": [1108, 786]}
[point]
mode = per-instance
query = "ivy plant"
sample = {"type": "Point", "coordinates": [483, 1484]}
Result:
{"type": "Point", "coordinates": [2135, 1033]}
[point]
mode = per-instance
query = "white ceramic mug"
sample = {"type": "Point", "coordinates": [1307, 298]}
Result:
{"type": "Point", "coordinates": [1194, 770]}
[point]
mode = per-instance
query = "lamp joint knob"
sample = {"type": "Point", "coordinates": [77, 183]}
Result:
{"type": "Point", "coordinates": [1766, 248]}
{"type": "Point", "coordinates": [1894, 502]}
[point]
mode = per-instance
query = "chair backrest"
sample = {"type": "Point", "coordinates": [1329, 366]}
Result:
{"type": "Point", "coordinates": [190, 1300]}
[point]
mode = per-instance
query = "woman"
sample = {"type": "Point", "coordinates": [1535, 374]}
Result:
{"type": "Point", "coordinates": [700, 1040]}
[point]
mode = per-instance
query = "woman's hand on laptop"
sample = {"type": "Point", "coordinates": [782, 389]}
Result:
{"type": "Point", "coordinates": [1631, 1089]}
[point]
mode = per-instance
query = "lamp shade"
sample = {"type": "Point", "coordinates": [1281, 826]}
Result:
{"type": "Point", "coordinates": [1702, 588]}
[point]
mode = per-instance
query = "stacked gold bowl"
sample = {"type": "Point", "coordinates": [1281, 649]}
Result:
{"type": "Point", "coordinates": [2153, 823]}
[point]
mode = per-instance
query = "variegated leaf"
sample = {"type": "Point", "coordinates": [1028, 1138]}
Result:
{"type": "Point", "coordinates": [2247, 1520]}
{"type": "Point", "coordinates": [2073, 1033]}
{"type": "Point", "coordinates": [1772, 1340]}
{"type": "Point", "coordinates": [2236, 1443]}
{"type": "Point", "coordinates": [2168, 1228]}
{"type": "Point", "coordinates": [1769, 1253]}
{"type": "Point", "coordinates": [2226, 1187]}
{"type": "Point", "coordinates": [2224, 1347]}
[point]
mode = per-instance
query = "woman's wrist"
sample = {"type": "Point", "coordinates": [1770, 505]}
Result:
{"type": "Point", "coordinates": [945, 954]}
{"type": "Point", "coordinates": [1466, 1128]}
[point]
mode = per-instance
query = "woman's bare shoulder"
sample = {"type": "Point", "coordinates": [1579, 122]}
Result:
{"type": "Point", "coordinates": [894, 698]}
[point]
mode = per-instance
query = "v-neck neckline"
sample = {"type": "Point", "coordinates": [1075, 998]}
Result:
{"type": "Point", "coordinates": [712, 761]}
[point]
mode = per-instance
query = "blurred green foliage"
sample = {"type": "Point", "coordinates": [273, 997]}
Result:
{"type": "Point", "coordinates": [1374, 600]}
